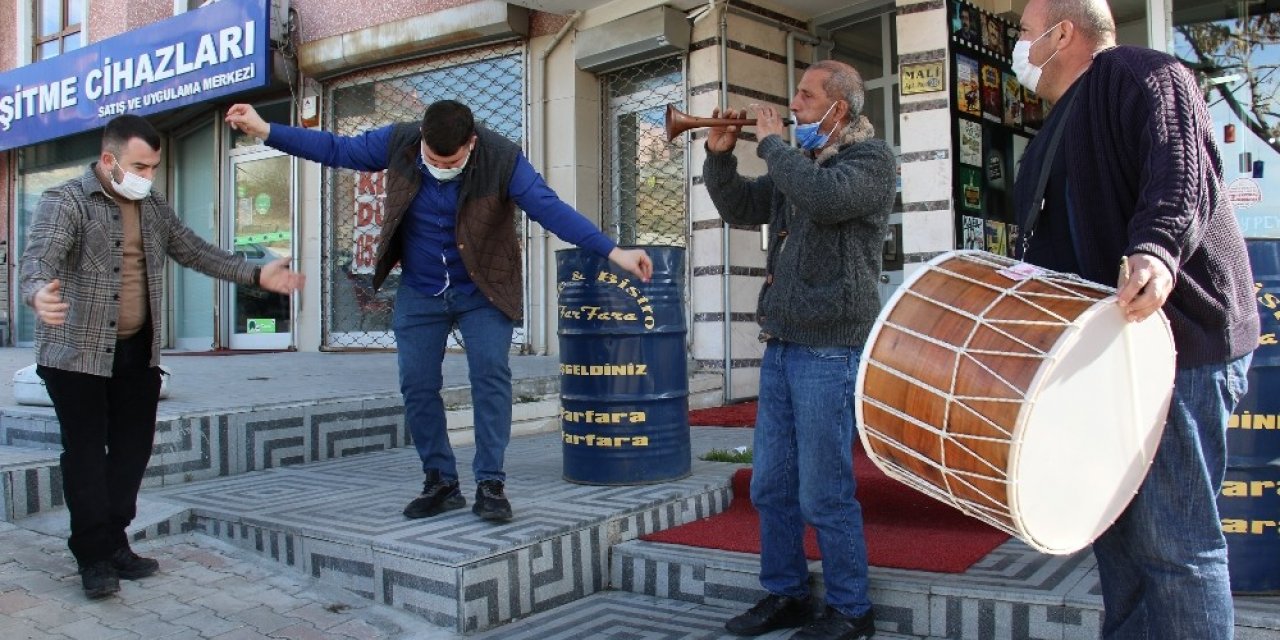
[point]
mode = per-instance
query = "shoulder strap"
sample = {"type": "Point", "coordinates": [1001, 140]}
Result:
{"type": "Point", "coordinates": [1037, 199]}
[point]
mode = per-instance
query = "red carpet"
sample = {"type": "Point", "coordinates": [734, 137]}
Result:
{"type": "Point", "coordinates": [742, 414]}
{"type": "Point", "coordinates": [904, 528]}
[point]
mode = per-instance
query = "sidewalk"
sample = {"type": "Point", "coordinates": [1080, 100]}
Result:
{"type": "Point", "coordinates": [203, 383]}
{"type": "Point", "coordinates": [205, 589]}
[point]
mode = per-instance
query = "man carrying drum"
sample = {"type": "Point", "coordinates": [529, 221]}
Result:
{"type": "Point", "coordinates": [1137, 180]}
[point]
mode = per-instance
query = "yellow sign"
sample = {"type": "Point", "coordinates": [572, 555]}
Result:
{"type": "Point", "coordinates": [922, 77]}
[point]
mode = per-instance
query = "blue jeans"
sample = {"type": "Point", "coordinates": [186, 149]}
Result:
{"type": "Point", "coordinates": [422, 324]}
{"type": "Point", "coordinates": [803, 473]}
{"type": "Point", "coordinates": [1163, 564]}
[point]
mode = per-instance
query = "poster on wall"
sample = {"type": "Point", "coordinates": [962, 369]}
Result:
{"type": "Point", "coordinates": [971, 233]}
{"type": "Point", "coordinates": [1013, 103]}
{"type": "Point", "coordinates": [971, 188]}
{"type": "Point", "coordinates": [993, 34]}
{"type": "Point", "coordinates": [992, 102]}
{"type": "Point", "coordinates": [994, 118]}
{"type": "Point", "coordinates": [970, 143]}
{"type": "Point", "coordinates": [1032, 111]}
{"type": "Point", "coordinates": [997, 238]}
{"type": "Point", "coordinates": [968, 90]}
{"type": "Point", "coordinates": [964, 23]}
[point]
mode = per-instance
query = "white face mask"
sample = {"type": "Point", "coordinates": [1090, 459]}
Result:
{"type": "Point", "coordinates": [445, 175]}
{"type": "Point", "coordinates": [1029, 74]}
{"type": "Point", "coordinates": [132, 186]}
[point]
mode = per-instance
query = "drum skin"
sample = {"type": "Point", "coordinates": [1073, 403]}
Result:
{"type": "Point", "coordinates": [958, 364]}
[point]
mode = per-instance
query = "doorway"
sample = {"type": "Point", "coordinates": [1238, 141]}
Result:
{"type": "Point", "coordinates": [259, 228]}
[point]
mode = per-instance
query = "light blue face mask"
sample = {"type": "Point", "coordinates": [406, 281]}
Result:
{"type": "Point", "coordinates": [810, 136]}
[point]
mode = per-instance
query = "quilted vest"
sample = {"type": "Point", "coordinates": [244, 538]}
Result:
{"type": "Point", "coordinates": [486, 217]}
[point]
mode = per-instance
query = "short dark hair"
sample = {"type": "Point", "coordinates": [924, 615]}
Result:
{"type": "Point", "coordinates": [124, 128]}
{"type": "Point", "coordinates": [447, 125]}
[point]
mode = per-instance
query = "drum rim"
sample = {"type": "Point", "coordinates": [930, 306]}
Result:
{"type": "Point", "coordinates": [1035, 388]}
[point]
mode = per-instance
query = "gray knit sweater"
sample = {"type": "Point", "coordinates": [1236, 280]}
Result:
{"type": "Point", "coordinates": [827, 221]}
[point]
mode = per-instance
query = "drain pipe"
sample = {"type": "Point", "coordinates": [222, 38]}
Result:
{"type": "Point", "coordinates": [792, 36]}
{"type": "Point", "coordinates": [544, 238]}
{"type": "Point", "coordinates": [726, 230]}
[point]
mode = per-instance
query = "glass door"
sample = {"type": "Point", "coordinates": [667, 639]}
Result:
{"type": "Point", "coordinates": [260, 228]}
{"type": "Point", "coordinates": [195, 199]}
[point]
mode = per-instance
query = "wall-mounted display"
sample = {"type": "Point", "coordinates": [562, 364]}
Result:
{"type": "Point", "coordinates": [994, 118]}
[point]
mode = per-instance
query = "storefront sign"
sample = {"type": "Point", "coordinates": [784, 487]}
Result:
{"type": "Point", "coordinates": [1244, 193]}
{"type": "Point", "coordinates": [216, 50]}
{"type": "Point", "coordinates": [924, 77]}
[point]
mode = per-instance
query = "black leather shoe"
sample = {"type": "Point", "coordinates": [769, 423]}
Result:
{"type": "Point", "coordinates": [131, 566]}
{"type": "Point", "coordinates": [437, 497]}
{"type": "Point", "coordinates": [491, 502]}
{"type": "Point", "coordinates": [99, 579]}
{"type": "Point", "coordinates": [833, 625]}
{"type": "Point", "coordinates": [773, 612]}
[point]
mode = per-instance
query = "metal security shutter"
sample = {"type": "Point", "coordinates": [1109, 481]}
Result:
{"type": "Point", "coordinates": [489, 80]}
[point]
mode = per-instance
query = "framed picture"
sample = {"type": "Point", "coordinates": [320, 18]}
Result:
{"type": "Point", "coordinates": [993, 34]}
{"type": "Point", "coordinates": [972, 233]}
{"type": "Point", "coordinates": [992, 102]}
{"type": "Point", "coordinates": [968, 86]}
{"type": "Point", "coordinates": [970, 142]}
{"type": "Point", "coordinates": [1013, 101]}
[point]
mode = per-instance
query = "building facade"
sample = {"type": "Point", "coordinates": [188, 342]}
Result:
{"type": "Point", "coordinates": [584, 87]}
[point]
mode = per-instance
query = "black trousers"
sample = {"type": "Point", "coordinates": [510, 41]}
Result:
{"type": "Point", "coordinates": [108, 426]}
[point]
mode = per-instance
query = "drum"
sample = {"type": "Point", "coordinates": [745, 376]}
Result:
{"type": "Point", "coordinates": [1018, 395]}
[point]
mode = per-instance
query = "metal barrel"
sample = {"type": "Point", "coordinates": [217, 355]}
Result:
{"type": "Point", "coordinates": [1249, 503]}
{"type": "Point", "coordinates": [624, 384]}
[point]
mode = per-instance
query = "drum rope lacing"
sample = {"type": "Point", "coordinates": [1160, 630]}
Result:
{"type": "Point", "coordinates": [950, 398]}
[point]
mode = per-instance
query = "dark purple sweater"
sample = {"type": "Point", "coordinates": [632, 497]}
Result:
{"type": "Point", "coordinates": [1144, 175]}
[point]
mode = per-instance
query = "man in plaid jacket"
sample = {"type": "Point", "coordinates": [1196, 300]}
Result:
{"type": "Point", "coordinates": [94, 271]}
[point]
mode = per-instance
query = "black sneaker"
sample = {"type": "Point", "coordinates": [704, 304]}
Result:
{"type": "Point", "coordinates": [437, 497]}
{"type": "Point", "coordinates": [833, 625]}
{"type": "Point", "coordinates": [99, 579]}
{"type": "Point", "coordinates": [131, 566]}
{"type": "Point", "coordinates": [773, 612]}
{"type": "Point", "coordinates": [491, 502]}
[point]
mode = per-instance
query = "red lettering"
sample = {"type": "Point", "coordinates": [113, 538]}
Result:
{"type": "Point", "coordinates": [364, 253]}
{"type": "Point", "coordinates": [374, 184]}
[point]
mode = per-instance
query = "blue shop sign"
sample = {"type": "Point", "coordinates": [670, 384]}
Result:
{"type": "Point", "coordinates": [197, 56]}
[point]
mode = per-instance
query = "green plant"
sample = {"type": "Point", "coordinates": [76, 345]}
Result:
{"type": "Point", "coordinates": [740, 455]}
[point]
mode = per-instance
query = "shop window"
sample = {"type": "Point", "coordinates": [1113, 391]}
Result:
{"type": "Point", "coordinates": [490, 81]}
{"type": "Point", "coordinates": [42, 167]}
{"type": "Point", "coordinates": [1233, 48]}
{"type": "Point", "coordinates": [58, 27]}
{"type": "Point", "coordinates": [644, 177]}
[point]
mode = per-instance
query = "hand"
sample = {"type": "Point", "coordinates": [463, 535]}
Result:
{"type": "Point", "coordinates": [50, 308]}
{"type": "Point", "coordinates": [278, 277]}
{"type": "Point", "coordinates": [723, 139]}
{"type": "Point", "coordinates": [768, 122]}
{"type": "Point", "coordinates": [634, 260]}
{"type": "Point", "coordinates": [1144, 288]}
{"type": "Point", "coordinates": [243, 117]}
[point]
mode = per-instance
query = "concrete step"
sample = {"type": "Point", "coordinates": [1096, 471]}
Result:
{"type": "Point", "coordinates": [200, 446]}
{"type": "Point", "coordinates": [340, 521]}
{"type": "Point", "coordinates": [1013, 593]}
{"type": "Point", "coordinates": [30, 482]}
{"type": "Point", "coordinates": [156, 518]}
{"type": "Point", "coordinates": [620, 614]}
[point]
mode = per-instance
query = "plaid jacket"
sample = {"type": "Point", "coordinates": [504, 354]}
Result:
{"type": "Point", "coordinates": [76, 237]}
